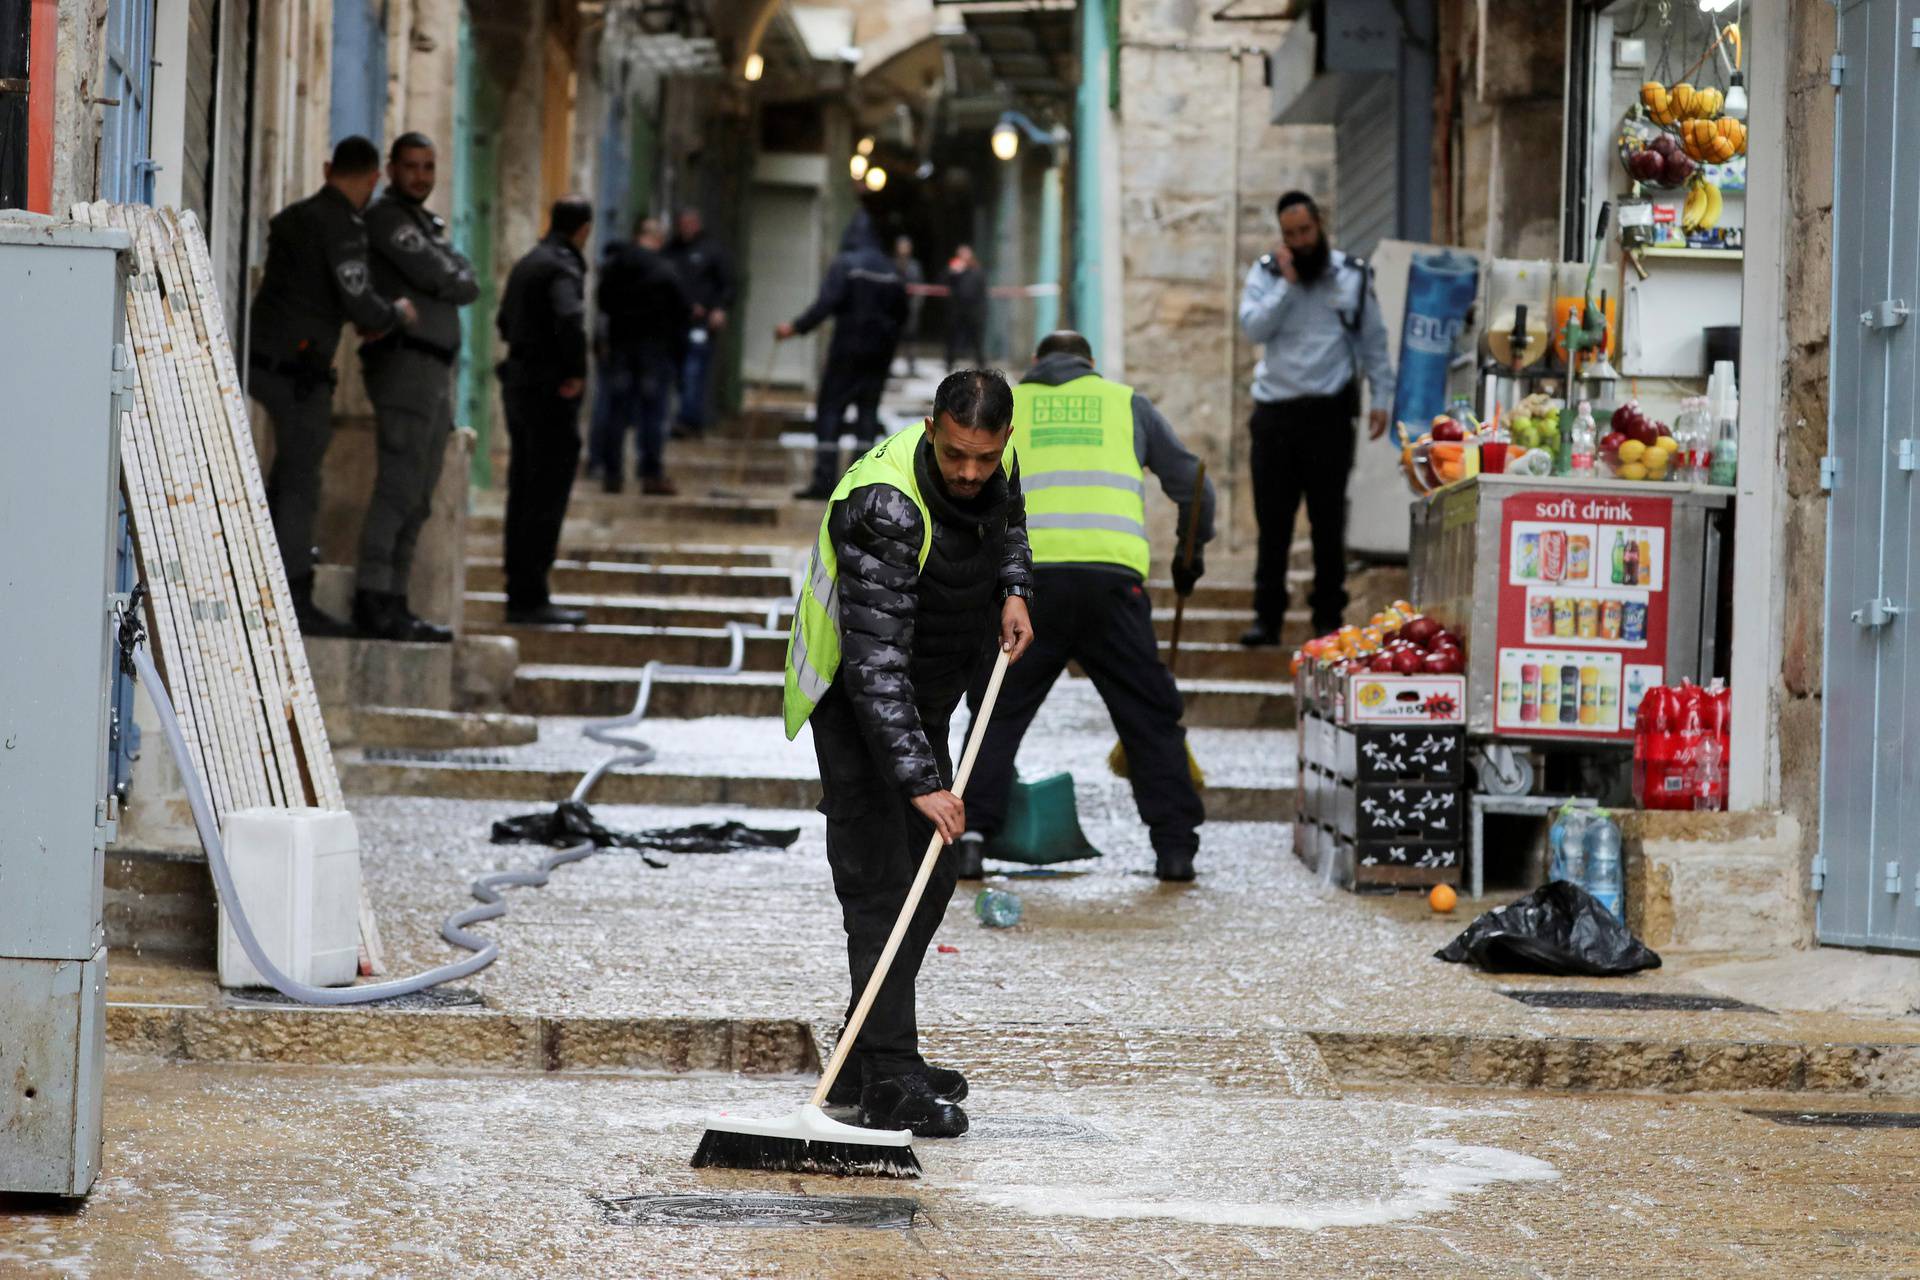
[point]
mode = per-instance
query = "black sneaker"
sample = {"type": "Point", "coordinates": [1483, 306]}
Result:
{"type": "Point", "coordinates": [950, 1085]}
{"type": "Point", "coordinates": [546, 615]}
{"type": "Point", "coordinates": [419, 630]}
{"type": "Point", "coordinates": [1260, 636]}
{"type": "Point", "coordinates": [909, 1102]}
{"type": "Point", "coordinates": [1175, 868]}
{"type": "Point", "coordinates": [374, 617]}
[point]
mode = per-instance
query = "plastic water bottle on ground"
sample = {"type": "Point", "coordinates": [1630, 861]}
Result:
{"type": "Point", "coordinates": [1604, 876]}
{"type": "Point", "coordinates": [996, 908]}
{"type": "Point", "coordinates": [1566, 845]}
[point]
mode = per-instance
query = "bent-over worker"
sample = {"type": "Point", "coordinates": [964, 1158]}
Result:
{"type": "Point", "coordinates": [1083, 443]}
{"type": "Point", "coordinates": [921, 559]}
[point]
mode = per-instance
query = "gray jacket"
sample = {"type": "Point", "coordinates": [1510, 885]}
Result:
{"type": "Point", "coordinates": [412, 258]}
{"type": "Point", "coordinates": [1154, 444]}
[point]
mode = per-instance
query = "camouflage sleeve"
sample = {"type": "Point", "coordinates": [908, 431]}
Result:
{"type": "Point", "coordinates": [353, 280]}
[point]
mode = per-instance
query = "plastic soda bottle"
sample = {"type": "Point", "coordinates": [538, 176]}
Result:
{"type": "Point", "coordinates": [996, 908]}
{"type": "Point", "coordinates": [1603, 863]}
{"type": "Point", "coordinates": [1709, 775]}
{"type": "Point", "coordinates": [1567, 845]}
{"type": "Point", "coordinates": [1582, 441]}
{"type": "Point", "coordinates": [1725, 467]}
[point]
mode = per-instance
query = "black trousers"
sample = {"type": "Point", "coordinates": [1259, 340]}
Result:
{"type": "Point", "coordinates": [1303, 448]}
{"type": "Point", "coordinates": [545, 434]}
{"type": "Point", "coordinates": [302, 429]}
{"type": "Point", "coordinates": [1103, 621]}
{"type": "Point", "coordinates": [875, 840]}
{"type": "Point", "coordinates": [850, 378]}
{"type": "Point", "coordinates": [966, 332]}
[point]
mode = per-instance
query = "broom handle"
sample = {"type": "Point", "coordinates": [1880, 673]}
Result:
{"type": "Point", "coordinates": [1193, 545]}
{"type": "Point", "coordinates": [975, 733]}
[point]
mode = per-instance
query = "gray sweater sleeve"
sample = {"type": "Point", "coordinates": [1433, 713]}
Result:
{"type": "Point", "coordinates": [1161, 452]}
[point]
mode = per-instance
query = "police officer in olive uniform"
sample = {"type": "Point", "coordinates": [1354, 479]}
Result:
{"type": "Point", "coordinates": [317, 278]}
{"type": "Point", "coordinates": [542, 319]}
{"type": "Point", "coordinates": [409, 376]}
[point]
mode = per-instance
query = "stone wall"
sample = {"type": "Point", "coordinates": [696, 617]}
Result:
{"type": "Point", "coordinates": [1803, 425]}
{"type": "Point", "coordinates": [1179, 154]}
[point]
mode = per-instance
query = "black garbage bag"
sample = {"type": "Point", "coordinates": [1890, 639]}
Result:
{"type": "Point", "coordinates": [571, 821]}
{"type": "Point", "coordinates": [1559, 928]}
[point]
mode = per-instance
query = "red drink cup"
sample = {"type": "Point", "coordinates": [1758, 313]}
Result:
{"type": "Point", "coordinates": [1493, 457]}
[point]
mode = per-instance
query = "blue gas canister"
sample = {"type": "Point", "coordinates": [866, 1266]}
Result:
{"type": "Point", "coordinates": [1441, 288]}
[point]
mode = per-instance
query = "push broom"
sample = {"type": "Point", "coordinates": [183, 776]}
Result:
{"type": "Point", "coordinates": [808, 1141]}
{"type": "Point", "coordinates": [1117, 758]}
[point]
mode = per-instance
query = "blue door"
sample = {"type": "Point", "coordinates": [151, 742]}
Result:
{"type": "Point", "coordinates": [1869, 868]}
{"type": "Point", "coordinates": [126, 159]}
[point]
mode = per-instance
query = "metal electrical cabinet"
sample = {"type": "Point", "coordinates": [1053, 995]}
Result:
{"type": "Point", "coordinates": [64, 372]}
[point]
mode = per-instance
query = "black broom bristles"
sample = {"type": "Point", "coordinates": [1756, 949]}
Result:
{"type": "Point", "coordinates": [720, 1149]}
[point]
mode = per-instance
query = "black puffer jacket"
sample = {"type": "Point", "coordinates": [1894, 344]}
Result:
{"type": "Point", "coordinates": [909, 638]}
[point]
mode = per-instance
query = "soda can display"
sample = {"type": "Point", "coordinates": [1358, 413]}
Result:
{"type": "Point", "coordinates": [1633, 622]}
{"type": "Point", "coordinates": [1579, 557]}
{"type": "Point", "coordinates": [1610, 620]}
{"type": "Point", "coordinates": [1589, 619]}
{"type": "Point", "coordinates": [1553, 555]}
{"type": "Point", "coordinates": [1563, 616]}
{"type": "Point", "coordinates": [1529, 566]}
{"type": "Point", "coordinates": [1540, 616]}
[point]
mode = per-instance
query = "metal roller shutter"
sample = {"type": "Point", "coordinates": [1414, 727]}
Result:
{"type": "Point", "coordinates": [1366, 187]}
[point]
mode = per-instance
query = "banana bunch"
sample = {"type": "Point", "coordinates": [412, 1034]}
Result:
{"type": "Point", "coordinates": [1689, 103]}
{"type": "Point", "coordinates": [1713, 141]}
{"type": "Point", "coordinates": [1703, 207]}
{"type": "Point", "coordinates": [1658, 100]}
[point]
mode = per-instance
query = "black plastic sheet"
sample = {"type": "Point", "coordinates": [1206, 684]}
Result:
{"type": "Point", "coordinates": [1558, 928]}
{"type": "Point", "coordinates": [570, 822]}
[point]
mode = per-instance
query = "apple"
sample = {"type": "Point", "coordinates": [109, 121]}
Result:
{"type": "Point", "coordinates": [1449, 430]}
{"type": "Point", "coordinates": [1643, 431]}
{"type": "Point", "coordinates": [1421, 631]}
{"type": "Point", "coordinates": [1610, 443]}
{"type": "Point", "coordinates": [1383, 663]}
{"type": "Point", "coordinates": [1408, 662]}
{"type": "Point", "coordinates": [1443, 663]}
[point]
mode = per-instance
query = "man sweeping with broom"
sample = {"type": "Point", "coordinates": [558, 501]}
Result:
{"type": "Point", "coordinates": [1083, 444]}
{"type": "Point", "coordinates": [922, 558]}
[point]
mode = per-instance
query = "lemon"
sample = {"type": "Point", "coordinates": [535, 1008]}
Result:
{"type": "Point", "coordinates": [1668, 443]}
{"type": "Point", "coordinates": [1632, 450]}
{"type": "Point", "coordinates": [1632, 470]}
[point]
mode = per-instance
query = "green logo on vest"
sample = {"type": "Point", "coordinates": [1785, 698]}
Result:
{"type": "Point", "coordinates": [1051, 411]}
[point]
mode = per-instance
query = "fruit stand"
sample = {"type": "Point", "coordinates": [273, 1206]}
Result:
{"type": "Point", "coordinates": [1571, 598]}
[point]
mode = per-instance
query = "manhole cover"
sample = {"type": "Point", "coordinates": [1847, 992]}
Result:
{"type": "Point", "coordinates": [1842, 1119]}
{"type": "Point", "coordinates": [1650, 1000]}
{"type": "Point", "coordinates": [754, 1210]}
{"type": "Point", "coordinates": [411, 755]}
{"type": "Point", "coordinates": [1034, 1129]}
{"type": "Point", "coordinates": [430, 999]}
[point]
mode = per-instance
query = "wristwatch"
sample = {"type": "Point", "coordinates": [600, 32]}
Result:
{"type": "Point", "coordinates": [1024, 592]}
{"type": "Point", "coordinates": [1268, 265]}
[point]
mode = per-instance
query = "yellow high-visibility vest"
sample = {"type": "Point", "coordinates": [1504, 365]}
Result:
{"type": "Point", "coordinates": [813, 646]}
{"type": "Point", "coordinates": [1086, 495]}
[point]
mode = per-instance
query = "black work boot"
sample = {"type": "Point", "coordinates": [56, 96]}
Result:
{"type": "Point", "coordinates": [1260, 636]}
{"type": "Point", "coordinates": [969, 856]}
{"type": "Point", "coordinates": [545, 615]}
{"type": "Point", "coordinates": [950, 1085]}
{"type": "Point", "coordinates": [909, 1102]}
{"type": "Point", "coordinates": [375, 618]}
{"type": "Point", "coordinates": [314, 623]}
{"type": "Point", "coordinates": [1175, 868]}
{"type": "Point", "coordinates": [419, 630]}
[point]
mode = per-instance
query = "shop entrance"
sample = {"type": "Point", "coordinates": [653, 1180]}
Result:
{"type": "Point", "coordinates": [1869, 870]}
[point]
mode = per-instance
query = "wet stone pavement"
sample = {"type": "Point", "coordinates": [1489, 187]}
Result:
{"type": "Point", "coordinates": [245, 1171]}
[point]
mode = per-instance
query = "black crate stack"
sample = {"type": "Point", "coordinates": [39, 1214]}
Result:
{"type": "Point", "coordinates": [1381, 805]}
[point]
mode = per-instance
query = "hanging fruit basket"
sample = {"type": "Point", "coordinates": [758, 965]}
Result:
{"type": "Point", "coordinates": [1714, 141]}
{"type": "Point", "coordinates": [1652, 156]}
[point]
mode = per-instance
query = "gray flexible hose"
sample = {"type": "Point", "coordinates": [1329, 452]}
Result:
{"type": "Point", "coordinates": [485, 950]}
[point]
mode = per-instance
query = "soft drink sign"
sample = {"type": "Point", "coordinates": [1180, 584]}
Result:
{"type": "Point", "coordinates": [1583, 602]}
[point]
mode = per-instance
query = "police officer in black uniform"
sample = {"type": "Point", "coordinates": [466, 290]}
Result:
{"type": "Point", "coordinates": [543, 322]}
{"type": "Point", "coordinates": [317, 278]}
{"type": "Point", "coordinates": [409, 377]}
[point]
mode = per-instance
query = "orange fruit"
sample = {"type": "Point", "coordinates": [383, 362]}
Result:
{"type": "Point", "coordinates": [1442, 898]}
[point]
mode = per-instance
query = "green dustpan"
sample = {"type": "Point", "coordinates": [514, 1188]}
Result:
{"type": "Point", "coordinates": [1042, 825]}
